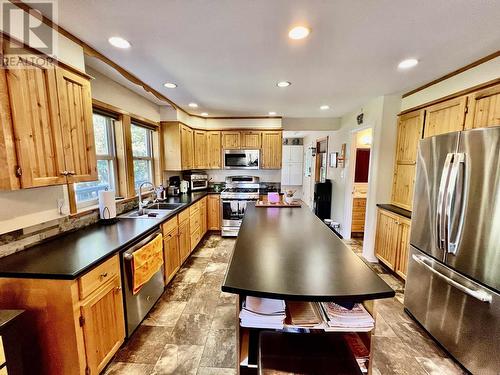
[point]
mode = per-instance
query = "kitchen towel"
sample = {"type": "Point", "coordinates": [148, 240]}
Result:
{"type": "Point", "coordinates": [146, 262]}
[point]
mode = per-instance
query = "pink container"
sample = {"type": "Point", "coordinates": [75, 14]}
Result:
{"type": "Point", "coordinates": [273, 197]}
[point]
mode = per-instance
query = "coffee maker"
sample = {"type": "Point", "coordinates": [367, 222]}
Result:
{"type": "Point", "coordinates": [174, 183]}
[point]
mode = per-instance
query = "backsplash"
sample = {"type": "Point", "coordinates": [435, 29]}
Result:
{"type": "Point", "coordinates": [21, 239]}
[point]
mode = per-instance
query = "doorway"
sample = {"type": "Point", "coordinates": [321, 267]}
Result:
{"type": "Point", "coordinates": [362, 142]}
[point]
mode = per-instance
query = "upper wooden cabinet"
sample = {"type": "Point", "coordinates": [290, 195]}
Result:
{"type": "Point", "coordinates": [402, 185]}
{"type": "Point", "coordinates": [484, 108]}
{"type": "Point", "coordinates": [178, 146]}
{"type": "Point", "coordinates": [214, 149]}
{"type": "Point", "coordinates": [250, 139]}
{"type": "Point", "coordinates": [231, 139]}
{"type": "Point", "coordinates": [410, 128]}
{"type": "Point", "coordinates": [272, 144]}
{"type": "Point", "coordinates": [51, 122]}
{"type": "Point", "coordinates": [200, 149]}
{"type": "Point", "coordinates": [445, 117]}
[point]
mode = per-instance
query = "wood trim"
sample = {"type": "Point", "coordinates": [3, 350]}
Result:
{"type": "Point", "coordinates": [238, 117]}
{"type": "Point", "coordinates": [73, 209]}
{"type": "Point", "coordinates": [222, 129]}
{"type": "Point", "coordinates": [452, 96]}
{"type": "Point", "coordinates": [128, 167]}
{"type": "Point", "coordinates": [454, 73]}
{"type": "Point", "coordinates": [118, 111]}
{"type": "Point", "coordinates": [50, 59]}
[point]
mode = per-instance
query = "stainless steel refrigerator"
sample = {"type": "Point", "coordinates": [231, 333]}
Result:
{"type": "Point", "coordinates": [453, 281]}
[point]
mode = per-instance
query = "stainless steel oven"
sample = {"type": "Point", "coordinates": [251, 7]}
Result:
{"type": "Point", "coordinates": [197, 180]}
{"type": "Point", "coordinates": [241, 159]}
{"type": "Point", "coordinates": [138, 305]}
{"type": "Point", "coordinates": [233, 211]}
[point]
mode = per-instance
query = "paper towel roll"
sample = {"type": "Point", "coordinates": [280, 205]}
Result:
{"type": "Point", "coordinates": [107, 204]}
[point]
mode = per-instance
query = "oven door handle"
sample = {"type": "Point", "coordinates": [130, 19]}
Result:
{"type": "Point", "coordinates": [128, 255]}
{"type": "Point", "coordinates": [478, 294]}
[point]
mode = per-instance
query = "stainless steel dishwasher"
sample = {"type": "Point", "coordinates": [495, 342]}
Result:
{"type": "Point", "coordinates": [138, 305]}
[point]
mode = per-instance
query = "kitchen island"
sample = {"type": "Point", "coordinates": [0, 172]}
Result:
{"type": "Point", "coordinates": [289, 254]}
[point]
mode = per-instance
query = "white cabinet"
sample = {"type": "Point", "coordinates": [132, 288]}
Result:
{"type": "Point", "coordinates": [292, 165]}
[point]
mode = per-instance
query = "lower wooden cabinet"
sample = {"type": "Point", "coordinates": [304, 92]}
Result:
{"type": "Point", "coordinates": [184, 240]}
{"type": "Point", "coordinates": [203, 216]}
{"type": "Point", "coordinates": [392, 241]}
{"type": "Point", "coordinates": [213, 212]}
{"type": "Point", "coordinates": [171, 251]}
{"type": "Point", "coordinates": [358, 215]}
{"type": "Point", "coordinates": [103, 325]}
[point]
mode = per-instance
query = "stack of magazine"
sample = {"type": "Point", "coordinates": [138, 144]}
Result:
{"type": "Point", "coordinates": [263, 313]}
{"type": "Point", "coordinates": [342, 319]}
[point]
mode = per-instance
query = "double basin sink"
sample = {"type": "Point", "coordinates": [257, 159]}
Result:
{"type": "Point", "coordinates": [153, 211]}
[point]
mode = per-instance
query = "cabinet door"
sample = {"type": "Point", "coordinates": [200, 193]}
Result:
{"type": "Point", "coordinates": [214, 150]}
{"type": "Point", "coordinates": [386, 239]}
{"type": "Point", "coordinates": [203, 217]}
{"type": "Point", "coordinates": [187, 147]}
{"type": "Point", "coordinates": [285, 174]}
{"type": "Point", "coordinates": [403, 185]}
{"type": "Point", "coordinates": [358, 215]}
{"type": "Point", "coordinates": [403, 248]}
{"type": "Point", "coordinates": [484, 108]}
{"type": "Point", "coordinates": [410, 128]}
{"type": "Point", "coordinates": [33, 101]}
{"type": "Point", "coordinates": [250, 139]}
{"type": "Point", "coordinates": [296, 154]}
{"type": "Point", "coordinates": [213, 208]}
{"type": "Point", "coordinates": [171, 254]}
{"type": "Point", "coordinates": [75, 110]}
{"type": "Point", "coordinates": [230, 139]}
{"type": "Point", "coordinates": [295, 174]}
{"type": "Point", "coordinates": [271, 150]}
{"type": "Point", "coordinates": [184, 240]}
{"type": "Point", "coordinates": [200, 149]}
{"type": "Point", "coordinates": [104, 325]}
{"type": "Point", "coordinates": [445, 117]}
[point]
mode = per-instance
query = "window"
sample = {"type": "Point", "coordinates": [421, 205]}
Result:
{"type": "Point", "coordinates": [87, 192]}
{"type": "Point", "coordinates": [142, 153]}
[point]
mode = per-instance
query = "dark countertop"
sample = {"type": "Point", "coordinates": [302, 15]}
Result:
{"type": "Point", "coordinates": [395, 209]}
{"type": "Point", "coordinates": [8, 316]}
{"type": "Point", "coordinates": [288, 253]}
{"type": "Point", "coordinates": [73, 253]}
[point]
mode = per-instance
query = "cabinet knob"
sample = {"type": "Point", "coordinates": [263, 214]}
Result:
{"type": "Point", "coordinates": [103, 275]}
{"type": "Point", "coordinates": [64, 173]}
{"type": "Point", "coordinates": [72, 173]}
{"type": "Point", "coordinates": [118, 288]}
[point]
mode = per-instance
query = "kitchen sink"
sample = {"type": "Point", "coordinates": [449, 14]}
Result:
{"type": "Point", "coordinates": [148, 214]}
{"type": "Point", "coordinates": [165, 206]}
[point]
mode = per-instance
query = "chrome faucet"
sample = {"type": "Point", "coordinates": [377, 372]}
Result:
{"type": "Point", "coordinates": [141, 205]}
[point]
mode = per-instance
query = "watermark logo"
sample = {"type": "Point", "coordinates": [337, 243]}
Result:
{"type": "Point", "coordinates": [26, 26]}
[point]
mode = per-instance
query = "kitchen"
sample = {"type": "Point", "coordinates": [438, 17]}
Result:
{"type": "Point", "coordinates": [132, 240]}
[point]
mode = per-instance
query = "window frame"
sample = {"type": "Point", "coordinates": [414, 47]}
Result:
{"type": "Point", "coordinates": [151, 154]}
{"type": "Point", "coordinates": [111, 158]}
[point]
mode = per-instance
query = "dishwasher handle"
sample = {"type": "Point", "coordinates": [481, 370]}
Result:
{"type": "Point", "coordinates": [127, 255]}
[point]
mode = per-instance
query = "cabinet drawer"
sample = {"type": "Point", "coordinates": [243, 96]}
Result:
{"type": "Point", "coordinates": [99, 276]}
{"type": "Point", "coordinates": [183, 216]}
{"type": "Point", "coordinates": [195, 238]}
{"type": "Point", "coordinates": [193, 209]}
{"type": "Point", "coordinates": [194, 222]}
{"type": "Point", "coordinates": [169, 226]}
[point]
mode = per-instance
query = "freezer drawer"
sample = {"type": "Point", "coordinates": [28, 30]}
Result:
{"type": "Point", "coordinates": [459, 313]}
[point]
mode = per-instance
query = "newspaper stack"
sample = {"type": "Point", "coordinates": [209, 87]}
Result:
{"type": "Point", "coordinates": [263, 313]}
{"type": "Point", "coordinates": [341, 319]}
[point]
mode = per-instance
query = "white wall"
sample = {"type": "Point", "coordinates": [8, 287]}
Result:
{"type": "Point", "coordinates": [314, 124]}
{"type": "Point", "coordinates": [479, 74]}
{"type": "Point", "coordinates": [265, 175]}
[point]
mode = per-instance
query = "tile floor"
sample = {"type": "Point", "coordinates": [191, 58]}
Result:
{"type": "Point", "coordinates": [191, 330]}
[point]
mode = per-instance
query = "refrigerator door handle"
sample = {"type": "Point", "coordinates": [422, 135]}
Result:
{"type": "Point", "coordinates": [440, 220]}
{"type": "Point", "coordinates": [478, 294]}
{"type": "Point", "coordinates": [458, 160]}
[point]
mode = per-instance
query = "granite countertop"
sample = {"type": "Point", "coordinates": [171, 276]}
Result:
{"type": "Point", "coordinates": [8, 316]}
{"type": "Point", "coordinates": [72, 254]}
{"type": "Point", "coordinates": [288, 253]}
{"type": "Point", "coordinates": [395, 209]}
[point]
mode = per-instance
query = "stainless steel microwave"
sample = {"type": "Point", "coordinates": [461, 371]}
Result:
{"type": "Point", "coordinates": [241, 159]}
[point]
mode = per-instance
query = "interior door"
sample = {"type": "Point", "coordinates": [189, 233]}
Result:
{"type": "Point", "coordinates": [431, 178]}
{"type": "Point", "coordinates": [474, 234]}
{"type": "Point", "coordinates": [75, 110]}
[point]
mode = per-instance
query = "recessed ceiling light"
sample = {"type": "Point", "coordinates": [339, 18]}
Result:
{"type": "Point", "coordinates": [324, 107]}
{"type": "Point", "coordinates": [408, 63]}
{"type": "Point", "coordinates": [204, 113]}
{"type": "Point", "coordinates": [283, 84]}
{"type": "Point", "coordinates": [170, 85]}
{"type": "Point", "coordinates": [119, 42]}
{"type": "Point", "coordinates": [193, 105]}
{"type": "Point", "coordinates": [272, 113]}
{"type": "Point", "coordinates": [298, 32]}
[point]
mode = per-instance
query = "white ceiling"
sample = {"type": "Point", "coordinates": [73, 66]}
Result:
{"type": "Point", "coordinates": [227, 55]}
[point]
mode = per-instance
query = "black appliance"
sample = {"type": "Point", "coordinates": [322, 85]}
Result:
{"type": "Point", "coordinates": [323, 199]}
{"type": "Point", "coordinates": [174, 181]}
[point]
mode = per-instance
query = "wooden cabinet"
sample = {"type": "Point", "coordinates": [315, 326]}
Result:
{"type": "Point", "coordinates": [187, 147]}
{"type": "Point", "coordinates": [200, 149]}
{"type": "Point", "coordinates": [213, 212]}
{"type": "Point", "coordinates": [184, 239]}
{"type": "Point", "coordinates": [484, 108]}
{"type": "Point", "coordinates": [231, 139]}
{"type": "Point", "coordinates": [178, 146]}
{"type": "Point", "coordinates": [402, 185]}
{"type": "Point", "coordinates": [358, 215]}
{"type": "Point", "coordinates": [51, 123]}
{"type": "Point", "coordinates": [392, 241]}
{"type": "Point", "coordinates": [203, 216]}
{"type": "Point", "coordinates": [214, 149]}
{"type": "Point", "coordinates": [445, 117]}
{"type": "Point", "coordinates": [250, 139]}
{"type": "Point", "coordinates": [271, 149]}
{"type": "Point", "coordinates": [103, 325]}
{"type": "Point", "coordinates": [171, 252]}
